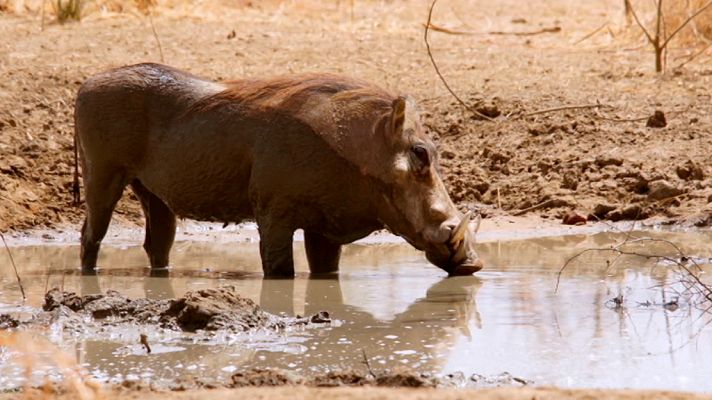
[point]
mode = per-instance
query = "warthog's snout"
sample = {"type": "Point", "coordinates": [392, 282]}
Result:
{"type": "Point", "coordinates": [456, 254]}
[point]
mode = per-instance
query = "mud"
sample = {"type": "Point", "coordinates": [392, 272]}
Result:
{"type": "Point", "coordinates": [214, 309]}
{"type": "Point", "coordinates": [270, 377]}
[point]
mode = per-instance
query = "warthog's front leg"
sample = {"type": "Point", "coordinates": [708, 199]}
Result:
{"type": "Point", "coordinates": [323, 255]}
{"type": "Point", "coordinates": [276, 247]}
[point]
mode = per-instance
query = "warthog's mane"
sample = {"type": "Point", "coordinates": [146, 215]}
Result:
{"type": "Point", "coordinates": [298, 95]}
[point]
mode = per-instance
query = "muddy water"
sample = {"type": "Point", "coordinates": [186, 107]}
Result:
{"type": "Point", "coordinates": [403, 313]}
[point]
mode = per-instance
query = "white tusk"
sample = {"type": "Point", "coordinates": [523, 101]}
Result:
{"type": "Point", "coordinates": [461, 253]}
{"type": "Point", "coordinates": [476, 224]}
{"type": "Point", "coordinates": [459, 234]}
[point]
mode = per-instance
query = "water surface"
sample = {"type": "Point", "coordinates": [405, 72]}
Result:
{"type": "Point", "coordinates": [402, 313]}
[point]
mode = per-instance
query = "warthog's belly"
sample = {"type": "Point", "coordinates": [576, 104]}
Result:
{"type": "Point", "coordinates": [213, 188]}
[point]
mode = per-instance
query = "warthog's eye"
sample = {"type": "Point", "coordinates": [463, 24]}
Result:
{"type": "Point", "coordinates": [420, 157]}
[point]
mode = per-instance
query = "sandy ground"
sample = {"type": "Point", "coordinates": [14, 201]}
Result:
{"type": "Point", "coordinates": [602, 160]}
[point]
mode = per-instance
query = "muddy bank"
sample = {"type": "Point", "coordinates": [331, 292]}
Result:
{"type": "Point", "coordinates": [379, 393]}
{"type": "Point", "coordinates": [268, 377]}
{"type": "Point", "coordinates": [214, 309]}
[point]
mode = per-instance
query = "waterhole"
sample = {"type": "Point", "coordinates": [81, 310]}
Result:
{"type": "Point", "coordinates": [616, 321]}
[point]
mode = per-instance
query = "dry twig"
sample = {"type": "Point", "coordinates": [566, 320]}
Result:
{"type": "Point", "coordinates": [692, 57]}
{"type": "Point", "coordinates": [437, 70]}
{"type": "Point", "coordinates": [14, 267]}
{"type": "Point", "coordinates": [564, 108]}
{"type": "Point", "coordinates": [690, 279]}
{"type": "Point", "coordinates": [155, 34]}
{"type": "Point", "coordinates": [367, 363]}
{"type": "Point", "coordinates": [553, 29]}
{"type": "Point", "coordinates": [589, 35]}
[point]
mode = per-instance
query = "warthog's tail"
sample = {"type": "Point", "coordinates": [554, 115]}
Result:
{"type": "Point", "coordinates": [75, 185]}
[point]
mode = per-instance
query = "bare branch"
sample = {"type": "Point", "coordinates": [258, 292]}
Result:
{"type": "Point", "coordinates": [588, 35]}
{"type": "Point", "coordinates": [562, 108]}
{"type": "Point", "coordinates": [687, 21]}
{"type": "Point", "coordinates": [692, 57]}
{"type": "Point", "coordinates": [640, 24]}
{"type": "Point", "coordinates": [437, 70]}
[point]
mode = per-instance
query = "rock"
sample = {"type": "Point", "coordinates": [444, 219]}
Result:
{"type": "Point", "coordinates": [606, 160]}
{"type": "Point", "coordinates": [8, 322]}
{"type": "Point", "coordinates": [481, 187]}
{"type": "Point", "coordinates": [489, 110]}
{"type": "Point", "coordinates": [570, 181]}
{"type": "Point", "coordinates": [657, 120]}
{"type": "Point", "coordinates": [574, 218]}
{"type": "Point", "coordinates": [322, 317]}
{"type": "Point", "coordinates": [448, 155]}
{"type": "Point", "coordinates": [631, 212]}
{"type": "Point", "coordinates": [601, 210]}
{"type": "Point", "coordinates": [690, 171]}
{"type": "Point", "coordinates": [662, 189]}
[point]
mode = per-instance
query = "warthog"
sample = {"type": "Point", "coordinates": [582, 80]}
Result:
{"type": "Point", "coordinates": [336, 157]}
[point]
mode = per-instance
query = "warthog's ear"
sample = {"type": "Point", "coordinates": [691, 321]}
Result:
{"type": "Point", "coordinates": [398, 116]}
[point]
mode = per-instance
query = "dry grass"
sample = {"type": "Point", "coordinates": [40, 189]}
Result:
{"type": "Point", "coordinates": [32, 352]}
{"type": "Point", "coordinates": [67, 10]}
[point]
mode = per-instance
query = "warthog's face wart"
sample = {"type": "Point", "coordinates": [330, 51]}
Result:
{"type": "Point", "coordinates": [418, 207]}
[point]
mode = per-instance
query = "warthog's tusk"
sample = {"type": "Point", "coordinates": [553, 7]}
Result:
{"type": "Point", "coordinates": [476, 224]}
{"type": "Point", "coordinates": [461, 253]}
{"type": "Point", "coordinates": [458, 235]}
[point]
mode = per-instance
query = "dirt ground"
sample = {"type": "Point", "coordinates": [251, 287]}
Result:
{"type": "Point", "coordinates": [371, 393]}
{"type": "Point", "coordinates": [509, 60]}
{"type": "Point", "coordinates": [543, 164]}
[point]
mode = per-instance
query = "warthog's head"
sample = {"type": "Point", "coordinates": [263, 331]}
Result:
{"type": "Point", "coordinates": [417, 205]}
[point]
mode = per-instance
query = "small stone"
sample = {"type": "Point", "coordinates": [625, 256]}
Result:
{"type": "Point", "coordinates": [601, 210]}
{"type": "Point", "coordinates": [604, 161]}
{"type": "Point", "coordinates": [489, 110]}
{"type": "Point", "coordinates": [663, 189]}
{"type": "Point", "coordinates": [633, 212]}
{"type": "Point", "coordinates": [690, 171]}
{"type": "Point", "coordinates": [570, 181]}
{"type": "Point", "coordinates": [574, 218]}
{"type": "Point", "coordinates": [657, 120]}
{"type": "Point", "coordinates": [448, 155]}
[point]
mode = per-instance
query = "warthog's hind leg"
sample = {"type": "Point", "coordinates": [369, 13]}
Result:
{"type": "Point", "coordinates": [323, 255]}
{"type": "Point", "coordinates": [103, 189]}
{"type": "Point", "coordinates": [160, 226]}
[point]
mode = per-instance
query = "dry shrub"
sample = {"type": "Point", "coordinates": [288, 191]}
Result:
{"type": "Point", "coordinates": [32, 352]}
{"type": "Point", "coordinates": [65, 10]}
{"type": "Point", "coordinates": [700, 28]}
{"type": "Point", "coordinates": [675, 13]}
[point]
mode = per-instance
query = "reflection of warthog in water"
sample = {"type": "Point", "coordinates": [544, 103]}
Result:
{"type": "Point", "coordinates": [336, 157]}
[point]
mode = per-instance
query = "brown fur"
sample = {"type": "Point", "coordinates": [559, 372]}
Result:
{"type": "Point", "coordinates": [324, 153]}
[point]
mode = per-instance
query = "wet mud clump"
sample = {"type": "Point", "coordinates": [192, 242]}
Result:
{"type": "Point", "coordinates": [267, 377]}
{"type": "Point", "coordinates": [207, 310]}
